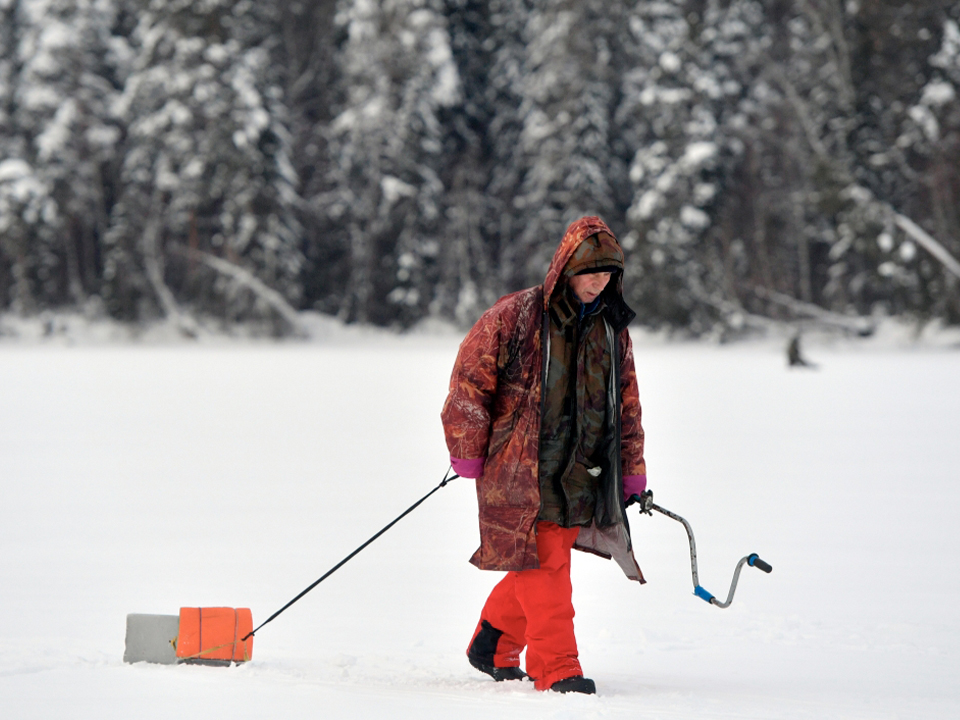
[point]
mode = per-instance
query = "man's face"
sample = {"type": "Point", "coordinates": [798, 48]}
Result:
{"type": "Point", "coordinates": [588, 287]}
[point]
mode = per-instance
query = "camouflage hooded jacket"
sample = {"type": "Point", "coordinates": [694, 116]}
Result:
{"type": "Point", "coordinates": [493, 411]}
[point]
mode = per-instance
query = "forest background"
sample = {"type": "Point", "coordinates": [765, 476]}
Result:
{"type": "Point", "coordinates": [396, 161]}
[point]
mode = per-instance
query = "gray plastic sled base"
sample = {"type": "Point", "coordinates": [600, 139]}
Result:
{"type": "Point", "coordinates": [152, 638]}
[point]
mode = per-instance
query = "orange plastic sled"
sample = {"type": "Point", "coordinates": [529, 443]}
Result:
{"type": "Point", "coordinates": [213, 636]}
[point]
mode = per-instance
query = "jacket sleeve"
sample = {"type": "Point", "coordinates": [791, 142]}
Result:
{"type": "Point", "coordinates": [467, 412]}
{"type": "Point", "coordinates": [631, 430]}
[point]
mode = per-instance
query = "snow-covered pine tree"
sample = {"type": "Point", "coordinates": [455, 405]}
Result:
{"type": "Point", "coordinates": [756, 155]}
{"type": "Point", "coordinates": [206, 164]}
{"type": "Point", "coordinates": [467, 283]}
{"type": "Point", "coordinates": [386, 197]}
{"type": "Point", "coordinates": [668, 117]}
{"type": "Point", "coordinates": [305, 56]}
{"type": "Point", "coordinates": [830, 171]}
{"type": "Point", "coordinates": [66, 79]}
{"type": "Point", "coordinates": [496, 88]}
{"type": "Point", "coordinates": [27, 214]}
{"type": "Point", "coordinates": [793, 79]}
{"type": "Point", "coordinates": [11, 261]}
{"type": "Point", "coordinates": [7, 70]}
{"type": "Point", "coordinates": [915, 167]}
{"type": "Point", "coordinates": [566, 165]}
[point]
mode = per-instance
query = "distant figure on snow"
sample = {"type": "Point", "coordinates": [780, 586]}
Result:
{"type": "Point", "coordinates": [794, 357]}
{"type": "Point", "coordinates": [544, 411]}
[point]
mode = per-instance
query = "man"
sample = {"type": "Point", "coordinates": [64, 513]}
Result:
{"type": "Point", "coordinates": [544, 412]}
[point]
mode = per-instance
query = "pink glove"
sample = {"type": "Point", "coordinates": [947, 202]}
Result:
{"type": "Point", "coordinates": [468, 468]}
{"type": "Point", "coordinates": [632, 485]}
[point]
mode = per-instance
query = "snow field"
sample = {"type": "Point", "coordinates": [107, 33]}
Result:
{"type": "Point", "coordinates": [141, 479]}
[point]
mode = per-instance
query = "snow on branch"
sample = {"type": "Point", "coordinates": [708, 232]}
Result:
{"type": "Point", "coordinates": [860, 325]}
{"type": "Point", "coordinates": [248, 280]}
{"type": "Point", "coordinates": [857, 191]}
{"type": "Point", "coordinates": [917, 233]}
{"type": "Point", "coordinates": [927, 241]}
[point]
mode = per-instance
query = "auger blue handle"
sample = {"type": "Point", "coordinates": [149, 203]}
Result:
{"type": "Point", "coordinates": [701, 593]}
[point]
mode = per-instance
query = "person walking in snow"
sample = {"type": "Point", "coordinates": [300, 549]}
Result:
{"type": "Point", "coordinates": [544, 412]}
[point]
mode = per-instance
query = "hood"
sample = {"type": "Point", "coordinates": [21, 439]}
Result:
{"type": "Point", "coordinates": [578, 231]}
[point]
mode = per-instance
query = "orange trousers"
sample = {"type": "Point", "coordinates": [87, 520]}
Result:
{"type": "Point", "coordinates": [534, 609]}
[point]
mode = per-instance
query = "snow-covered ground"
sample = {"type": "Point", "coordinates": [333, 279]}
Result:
{"type": "Point", "coordinates": [138, 479]}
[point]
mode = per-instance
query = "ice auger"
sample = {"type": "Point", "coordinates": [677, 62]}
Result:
{"type": "Point", "coordinates": [645, 501]}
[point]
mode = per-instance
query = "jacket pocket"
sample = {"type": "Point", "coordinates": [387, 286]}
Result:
{"type": "Point", "coordinates": [505, 532]}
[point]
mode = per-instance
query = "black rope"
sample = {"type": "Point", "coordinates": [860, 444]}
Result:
{"type": "Point", "coordinates": [446, 479]}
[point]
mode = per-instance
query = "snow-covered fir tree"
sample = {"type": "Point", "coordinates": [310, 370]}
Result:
{"type": "Point", "coordinates": [668, 120]}
{"type": "Point", "coordinates": [566, 81]}
{"type": "Point", "coordinates": [387, 196]}
{"type": "Point", "coordinates": [27, 212]}
{"type": "Point", "coordinates": [925, 151]}
{"type": "Point", "coordinates": [475, 216]}
{"type": "Point", "coordinates": [206, 164]}
{"type": "Point", "coordinates": [67, 76]}
{"type": "Point", "coordinates": [304, 58]}
{"type": "Point", "coordinates": [761, 232]}
{"type": "Point", "coordinates": [396, 160]}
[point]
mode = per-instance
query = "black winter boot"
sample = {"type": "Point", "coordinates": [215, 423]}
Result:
{"type": "Point", "coordinates": [497, 673]}
{"type": "Point", "coordinates": [577, 684]}
{"type": "Point", "coordinates": [481, 653]}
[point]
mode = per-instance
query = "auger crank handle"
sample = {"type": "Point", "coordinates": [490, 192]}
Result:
{"type": "Point", "coordinates": [645, 501]}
